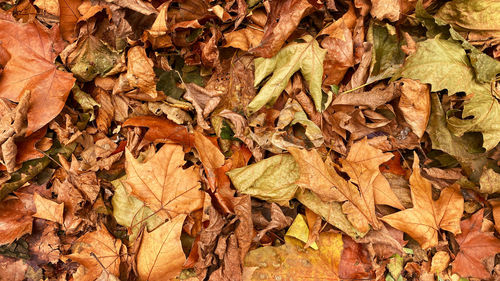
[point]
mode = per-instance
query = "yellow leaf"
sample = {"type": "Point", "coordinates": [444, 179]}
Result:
{"type": "Point", "coordinates": [423, 221]}
{"type": "Point", "coordinates": [161, 256]}
{"type": "Point", "coordinates": [162, 184]}
{"type": "Point", "coordinates": [292, 262]}
{"type": "Point", "coordinates": [300, 231]}
{"type": "Point", "coordinates": [48, 209]}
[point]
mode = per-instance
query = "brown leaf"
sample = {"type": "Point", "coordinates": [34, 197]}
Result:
{"type": "Point", "coordinates": [385, 9]}
{"type": "Point", "coordinates": [160, 256]}
{"type": "Point", "coordinates": [68, 17]}
{"type": "Point", "coordinates": [475, 246]}
{"type": "Point", "coordinates": [210, 155]}
{"type": "Point", "coordinates": [244, 39]}
{"type": "Point", "coordinates": [374, 98]}
{"type": "Point", "coordinates": [9, 152]}
{"type": "Point", "coordinates": [12, 269]}
{"type": "Point", "coordinates": [162, 130]}
{"type": "Point", "coordinates": [15, 219]}
{"type": "Point", "coordinates": [48, 209]}
{"type": "Point", "coordinates": [203, 100]}
{"type": "Point", "coordinates": [423, 221]}
{"type": "Point", "coordinates": [278, 221]}
{"type": "Point", "coordinates": [157, 34]}
{"type": "Point", "coordinates": [495, 205]}
{"type": "Point", "coordinates": [97, 251]}
{"type": "Point", "coordinates": [44, 243]}
{"type": "Point", "coordinates": [354, 262]}
{"type": "Point", "coordinates": [244, 231]}
{"type": "Point", "coordinates": [282, 21]}
{"type": "Point", "coordinates": [33, 50]}
{"type": "Point", "coordinates": [415, 103]}
{"type": "Point", "coordinates": [162, 184]}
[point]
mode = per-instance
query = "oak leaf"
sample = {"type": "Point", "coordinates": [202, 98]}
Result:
{"type": "Point", "coordinates": [95, 250]}
{"type": "Point", "coordinates": [423, 221]}
{"type": "Point", "coordinates": [475, 246]}
{"type": "Point", "coordinates": [160, 256]}
{"type": "Point", "coordinates": [162, 184]}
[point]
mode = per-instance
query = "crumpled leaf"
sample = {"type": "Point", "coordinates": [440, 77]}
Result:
{"type": "Point", "coordinates": [385, 9]}
{"type": "Point", "coordinates": [203, 100]}
{"type": "Point", "coordinates": [281, 22]}
{"type": "Point", "coordinates": [245, 38]}
{"type": "Point", "coordinates": [290, 261]}
{"type": "Point", "coordinates": [89, 57]}
{"type": "Point", "coordinates": [272, 179]}
{"type": "Point", "coordinates": [475, 246]}
{"type": "Point", "coordinates": [458, 147]}
{"type": "Point", "coordinates": [307, 57]}
{"type": "Point", "coordinates": [415, 105]}
{"type": "Point", "coordinates": [489, 182]}
{"type": "Point", "coordinates": [48, 209]}
{"type": "Point", "coordinates": [162, 130]}
{"type": "Point", "coordinates": [445, 65]}
{"type": "Point", "coordinates": [160, 256]}
{"type": "Point", "coordinates": [68, 17]}
{"type": "Point", "coordinates": [31, 64]}
{"type": "Point", "coordinates": [95, 250]}
{"type": "Point", "coordinates": [423, 221]}
{"type": "Point", "coordinates": [162, 184]}
{"type": "Point", "coordinates": [85, 100]}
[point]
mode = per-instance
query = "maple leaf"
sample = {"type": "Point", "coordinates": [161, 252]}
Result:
{"type": "Point", "coordinates": [307, 57]}
{"type": "Point", "coordinates": [161, 256]}
{"type": "Point", "coordinates": [291, 261]}
{"type": "Point", "coordinates": [162, 184]}
{"type": "Point", "coordinates": [97, 251]}
{"type": "Point", "coordinates": [475, 246]}
{"type": "Point", "coordinates": [34, 48]}
{"type": "Point", "coordinates": [423, 221]}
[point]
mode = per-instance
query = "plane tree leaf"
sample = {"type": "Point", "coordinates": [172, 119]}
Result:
{"type": "Point", "coordinates": [292, 262]}
{"type": "Point", "coordinates": [306, 56]}
{"type": "Point", "coordinates": [427, 217]}
{"type": "Point", "coordinates": [162, 184]}
{"type": "Point", "coordinates": [160, 256]}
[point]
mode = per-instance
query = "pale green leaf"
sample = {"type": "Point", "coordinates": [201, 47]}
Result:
{"type": "Point", "coordinates": [272, 179]}
{"type": "Point", "coordinates": [330, 211]}
{"type": "Point", "coordinates": [458, 147]}
{"type": "Point", "coordinates": [131, 212]}
{"type": "Point", "coordinates": [305, 56]}
{"type": "Point", "coordinates": [85, 100]}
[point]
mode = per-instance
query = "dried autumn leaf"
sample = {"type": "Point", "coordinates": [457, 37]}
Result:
{"type": "Point", "coordinates": [15, 219]}
{"type": "Point", "coordinates": [160, 256]}
{"type": "Point", "coordinates": [427, 217]}
{"type": "Point", "coordinates": [162, 184]}
{"type": "Point", "coordinates": [415, 104]}
{"type": "Point", "coordinates": [33, 49]}
{"type": "Point", "coordinates": [68, 17]}
{"type": "Point", "coordinates": [291, 261]}
{"type": "Point", "coordinates": [162, 130]}
{"type": "Point", "coordinates": [475, 246]}
{"type": "Point", "coordinates": [283, 19]}
{"type": "Point", "coordinates": [244, 39]}
{"type": "Point", "coordinates": [307, 57]}
{"type": "Point", "coordinates": [95, 250]}
{"type": "Point", "coordinates": [48, 209]}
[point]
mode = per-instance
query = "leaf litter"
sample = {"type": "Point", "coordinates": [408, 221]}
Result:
{"type": "Point", "coordinates": [249, 140]}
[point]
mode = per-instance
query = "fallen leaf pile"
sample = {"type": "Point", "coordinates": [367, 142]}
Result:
{"type": "Point", "coordinates": [239, 140]}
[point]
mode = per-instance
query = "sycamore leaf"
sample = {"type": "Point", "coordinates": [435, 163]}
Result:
{"type": "Point", "coordinates": [423, 221]}
{"type": "Point", "coordinates": [475, 246]}
{"type": "Point", "coordinates": [445, 65]}
{"type": "Point", "coordinates": [307, 57]}
{"type": "Point", "coordinates": [329, 211]}
{"type": "Point", "coordinates": [95, 250]}
{"type": "Point", "coordinates": [272, 179]}
{"type": "Point", "coordinates": [366, 187]}
{"type": "Point", "coordinates": [162, 184]}
{"type": "Point", "coordinates": [131, 212]}
{"type": "Point", "coordinates": [458, 147]}
{"type": "Point", "coordinates": [161, 256]}
{"type": "Point", "coordinates": [33, 49]}
{"type": "Point", "coordinates": [292, 262]}
{"type": "Point", "coordinates": [48, 209]}
{"type": "Point", "coordinates": [481, 17]}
